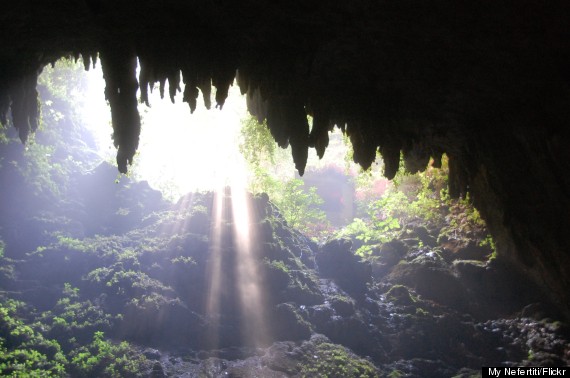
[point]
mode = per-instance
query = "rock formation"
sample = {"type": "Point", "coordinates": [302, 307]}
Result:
{"type": "Point", "coordinates": [174, 286]}
{"type": "Point", "coordinates": [485, 82]}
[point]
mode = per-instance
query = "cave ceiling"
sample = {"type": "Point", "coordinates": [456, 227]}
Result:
{"type": "Point", "coordinates": [416, 76]}
{"type": "Point", "coordinates": [486, 82]}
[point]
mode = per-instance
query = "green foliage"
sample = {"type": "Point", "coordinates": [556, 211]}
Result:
{"type": "Point", "coordinates": [59, 147]}
{"type": "Point", "coordinates": [370, 233]}
{"type": "Point", "coordinates": [490, 243]}
{"type": "Point", "coordinates": [23, 350]}
{"type": "Point", "coordinates": [411, 199]}
{"type": "Point", "coordinates": [74, 319]}
{"type": "Point", "coordinates": [279, 265]}
{"type": "Point", "coordinates": [421, 196]}
{"type": "Point", "coordinates": [183, 260]}
{"type": "Point", "coordinates": [103, 358]}
{"type": "Point", "coordinates": [4, 139]}
{"type": "Point", "coordinates": [72, 244]}
{"type": "Point", "coordinates": [40, 171]}
{"type": "Point", "coordinates": [65, 81]}
{"type": "Point", "coordinates": [331, 361]}
{"type": "Point", "coordinates": [298, 205]}
{"type": "Point", "coordinates": [26, 352]}
{"type": "Point", "coordinates": [257, 146]}
{"type": "Point", "coordinates": [395, 374]}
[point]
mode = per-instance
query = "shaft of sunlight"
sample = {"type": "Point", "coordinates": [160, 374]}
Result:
{"type": "Point", "coordinates": [183, 152]}
{"type": "Point", "coordinates": [249, 276]}
{"type": "Point", "coordinates": [214, 269]}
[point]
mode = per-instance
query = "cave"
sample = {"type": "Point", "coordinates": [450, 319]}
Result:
{"type": "Point", "coordinates": [484, 82]}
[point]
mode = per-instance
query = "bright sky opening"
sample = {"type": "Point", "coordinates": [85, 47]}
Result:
{"type": "Point", "coordinates": [179, 152]}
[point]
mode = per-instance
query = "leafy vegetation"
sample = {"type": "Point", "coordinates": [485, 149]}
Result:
{"type": "Point", "coordinates": [412, 200]}
{"type": "Point", "coordinates": [60, 147]}
{"type": "Point", "coordinates": [102, 358]}
{"type": "Point", "coordinates": [58, 343]}
{"type": "Point", "coordinates": [299, 205]}
{"type": "Point", "coordinates": [23, 350]}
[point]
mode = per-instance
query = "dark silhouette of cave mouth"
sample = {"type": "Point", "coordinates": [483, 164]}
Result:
{"type": "Point", "coordinates": [485, 83]}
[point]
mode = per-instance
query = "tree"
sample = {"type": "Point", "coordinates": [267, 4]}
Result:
{"type": "Point", "coordinates": [299, 207]}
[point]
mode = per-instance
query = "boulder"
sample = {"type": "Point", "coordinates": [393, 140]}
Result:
{"type": "Point", "coordinates": [336, 260]}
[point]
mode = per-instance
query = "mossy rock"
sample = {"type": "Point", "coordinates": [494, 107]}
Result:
{"type": "Point", "coordinates": [343, 306]}
{"type": "Point", "coordinates": [277, 275]}
{"type": "Point", "coordinates": [470, 269]}
{"type": "Point", "coordinates": [400, 295]}
{"type": "Point", "coordinates": [432, 282]}
{"type": "Point", "coordinates": [423, 234]}
{"type": "Point", "coordinates": [332, 360]}
{"type": "Point", "coordinates": [336, 260]}
{"type": "Point", "coordinates": [287, 323]}
{"type": "Point", "coordinates": [391, 252]}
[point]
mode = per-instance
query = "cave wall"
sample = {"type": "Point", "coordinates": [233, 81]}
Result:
{"type": "Point", "coordinates": [484, 81]}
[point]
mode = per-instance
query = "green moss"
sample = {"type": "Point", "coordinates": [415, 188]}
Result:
{"type": "Point", "coordinates": [279, 265]}
{"type": "Point", "coordinates": [421, 312]}
{"type": "Point", "coordinates": [395, 374]}
{"type": "Point", "coordinates": [399, 294]}
{"type": "Point", "coordinates": [331, 360]}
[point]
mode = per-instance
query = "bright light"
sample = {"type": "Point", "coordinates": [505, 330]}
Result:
{"type": "Point", "coordinates": [179, 152]}
{"type": "Point", "coordinates": [249, 281]}
{"type": "Point", "coordinates": [191, 151]}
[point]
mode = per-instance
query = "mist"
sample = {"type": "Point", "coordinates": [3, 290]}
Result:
{"type": "Point", "coordinates": [212, 257]}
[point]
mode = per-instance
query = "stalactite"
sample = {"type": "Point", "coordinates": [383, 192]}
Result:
{"type": "Point", "coordinates": [25, 106]}
{"type": "Point", "coordinates": [173, 83]}
{"type": "Point", "coordinates": [204, 83]}
{"type": "Point", "coordinates": [390, 152]}
{"type": "Point", "coordinates": [4, 106]}
{"type": "Point", "coordinates": [256, 105]}
{"type": "Point", "coordinates": [222, 79]}
{"type": "Point", "coordinates": [363, 146]}
{"type": "Point", "coordinates": [299, 139]}
{"type": "Point", "coordinates": [416, 157]}
{"type": "Point", "coordinates": [86, 58]}
{"type": "Point", "coordinates": [287, 122]}
{"type": "Point", "coordinates": [243, 82]}
{"type": "Point", "coordinates": [89, 59]}
{"type": "Point", "coordinates": [191, 92]}
{"type": "Point", "coordinates": [471, 76]}
{"type": "Point", "coordinates": [194, 79]}
{"type": "Point", "coordinates": [145, 78]}
{"type": "Point", "coordinates": [153, 70]}
{"type": "Point", "coordinates": [457, 181]}
{"type": "Point", "coordinates": [319, 136]}
{"type": "Point", "coordinates": [437, 155]}
{"type": "Point", "coordinates": [119, 71]}
{"type": "Point", "coordinates": [161, 85]}
{"type": "Point", "coordinates": [277, 122]}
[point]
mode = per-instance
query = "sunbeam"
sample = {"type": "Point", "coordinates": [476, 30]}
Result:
{"type": "Point", "coordinates": [249, 280]}
{"type": "Point", "coordinates": [234, 279]}
{"type": "Point", "coordinates": [214, 270]}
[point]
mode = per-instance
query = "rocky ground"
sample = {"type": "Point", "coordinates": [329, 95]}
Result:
{"type": "Point", "coordinates": [141, 270]}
